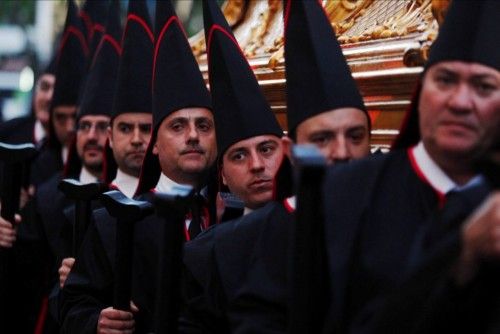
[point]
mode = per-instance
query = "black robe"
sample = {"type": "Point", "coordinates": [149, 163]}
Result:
{"type": "Point", "coordinates": [376, 214]}
{"type": "Point", "coordinates": [215, 266]}
{"type": "Point", "coordinates": [429, 298]}
{"type": "Point", "coordinates": [89, 287]}
{"type": "Point", "coordinates": [47, 164]}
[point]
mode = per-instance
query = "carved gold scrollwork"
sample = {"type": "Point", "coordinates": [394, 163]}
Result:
{"type": "Point", "coordinates": [234, 12]}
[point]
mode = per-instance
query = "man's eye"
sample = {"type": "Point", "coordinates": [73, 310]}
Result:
{"type": "Point", "coordinates": [237, 157]}
{"type": "Point", "coordinates": [204, 126]}
{"type": "Point", "coordinates": [125, 128]}
{"type": "Point", "coordinates": [177, 126]}
{"type": "Point", "coordinates": [484, 88]}
{"type": "Point", "coordinates": [45, 86]}
{"type": "Point", "coordinates": [145, 128]}
{"type": "Point", "coordinates": [444, 80]}
{"type": "Point", "coordinates": [357, 136]}
{"type": "Point", "coordinates": [268, 149]}
{"type": "Point", "coordinates": [320, 140]}
{"type": "Point", "coordinates": [84, 126]}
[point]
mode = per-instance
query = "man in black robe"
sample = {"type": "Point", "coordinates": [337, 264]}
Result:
{"type": "Point", "coordinates": [241, 286]}
{"type": "Point", "coordinates": [377, 210]}
{"type": "Point", "coordinates": [33, 128]}
{"type": "Point", "coordinates": [181, 150]}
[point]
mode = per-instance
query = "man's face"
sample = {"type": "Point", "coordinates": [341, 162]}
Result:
{"type": "Point", "coordinates": [43, 95]}
{"type": "Point", "coordinates": [459, 109]}
{"type": "Point", "coordinates": [249, 167]}
{"type": "Point", "coordinates": [64, 124]}
{"type": "Point", "coordinates": [185, 144]}
{"type": "Point", "coordinates": [91, 137]}
{"type": "Point", "coordinates": [129, 137]}
{"type": "Point", "coordinates": [340, 134]}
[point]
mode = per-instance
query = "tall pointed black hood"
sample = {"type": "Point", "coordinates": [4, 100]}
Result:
{"type": "Point", "coordinates": [94, 17]}
{"type": "Point", "coordinates": [177, 82]}
{"type": "Point", "coordinates": [470, 34]}
{"type": "Point", "coordinates": [240, 108]}
{"type": "Point", "coordinates": [101, 80]}
{"type": "Point", "coordinates": [70, 60]}
{"type": "Point", "coordinates": [318, 78]}
{"type": "Point", "coordinates": [133, 93]}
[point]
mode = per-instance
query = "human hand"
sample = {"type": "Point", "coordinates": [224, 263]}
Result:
{"type": "Point", "coordinates": [8, 231]}
{"type": "Point", "coordinates": [116, 321]}
{"type": "Point", "coordinates": [65, 269]}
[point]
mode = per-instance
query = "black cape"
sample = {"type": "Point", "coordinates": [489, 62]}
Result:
{"type": "Point", "coordinates": [215, 266]}
{"type": "Point", "coordinates": [89, 287]}
{"type": "Point", "coordinates": [376, 212]}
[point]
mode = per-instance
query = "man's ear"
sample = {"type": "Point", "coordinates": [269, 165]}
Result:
{"type": "Point", "coordinates": [287, 146]}
{"type": "Point", "coordinates": [222, 175]}
{"type": "Point", "coordinates": [110, 136]}
{"type": "Point", "coordinates": [155, 148]}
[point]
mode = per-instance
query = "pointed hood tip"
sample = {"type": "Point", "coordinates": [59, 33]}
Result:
{"type": "Point", "coordinates": [315, 84]}
{"type": "Point", "coordinates": [241, 111]}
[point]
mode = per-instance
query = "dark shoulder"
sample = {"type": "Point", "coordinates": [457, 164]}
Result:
{"type": "Point", "coordinates": [49, 186]}
{"type": "Point", "coordinates": [359, 172]}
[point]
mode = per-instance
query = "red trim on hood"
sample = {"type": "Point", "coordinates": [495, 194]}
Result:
{"type": "Point", "coordinates": [98, 27]}
{"type": "Point", "coordinates": [87, 21]}
{"type": "Point", "coordinates": [79, 35]}
{"type": "Point", "coordinates": [159, 40]}
{"type": "Point", "coordinates": [142, 22]}
{"type": "Point", "coordinates": [231, 37]}
{"type": "Point", "coordinates": [106, 38]}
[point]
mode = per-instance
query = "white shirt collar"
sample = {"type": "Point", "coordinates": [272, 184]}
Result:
{"type": "Point", "coordinates": [39, 131]}
{"type": "Point", "coordinates": [165, 184]}
{"type": "Point", "coordinates": [247, 210]}
{"type": "Point", "coordinates": [86, 177]}
{"type": "Point", "coordinates": [436, 177]}
{"type": "Point", "coordinates": [291, 203]}
{"type": "Point", "coordinates": [127, 184]}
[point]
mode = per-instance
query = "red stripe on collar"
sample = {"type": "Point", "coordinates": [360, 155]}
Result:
{"type": "Point", "coordinates": [416, 168]}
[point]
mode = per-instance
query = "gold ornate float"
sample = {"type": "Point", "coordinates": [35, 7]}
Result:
{"type": "Point", "coordinates": [386, 42]}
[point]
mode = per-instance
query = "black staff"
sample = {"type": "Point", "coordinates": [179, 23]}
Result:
{"type": "Point", "coordinates": [308, 283]}
{"type": "Point", "coordinates": [172, 207]}
{"type": "Point", "coordinates": [82, 194]}
{"type": "Point", "coordinates": [14, 157]}
{"type": "Point", "coordinates": [126, 211]}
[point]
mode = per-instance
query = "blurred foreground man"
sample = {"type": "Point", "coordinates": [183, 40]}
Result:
{"type": "Point", "coordinates": [381, 212]}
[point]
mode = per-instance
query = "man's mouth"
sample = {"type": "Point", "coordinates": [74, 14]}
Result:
{"type": "Point", "coordinates": [192, 151]}
{"type": "Point", "coordinates": [92, 149]}
{"type": "Point", "coordinates": [261, 183]}
{"type": "Point", "coordinates": [458, 125]}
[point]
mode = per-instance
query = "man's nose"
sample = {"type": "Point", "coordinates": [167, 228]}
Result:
{"type": "Point", "coordinates": [461, 99]}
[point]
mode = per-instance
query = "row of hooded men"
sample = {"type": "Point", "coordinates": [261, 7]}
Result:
{"type": "Point", "coordinates": [407, 240]}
